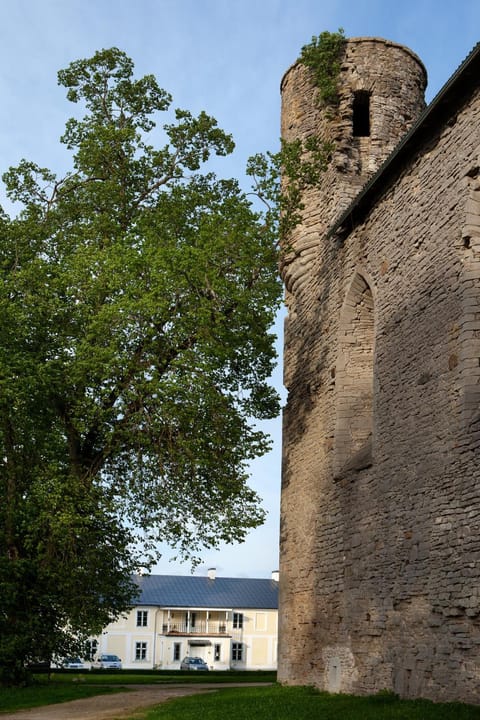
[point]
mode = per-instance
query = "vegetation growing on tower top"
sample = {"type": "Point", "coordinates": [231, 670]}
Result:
{"type": "Point", "coordinates": [323, 56]}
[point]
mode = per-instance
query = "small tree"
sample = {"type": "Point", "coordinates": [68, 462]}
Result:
{"type": "Point", "coordinates": [136, 300]}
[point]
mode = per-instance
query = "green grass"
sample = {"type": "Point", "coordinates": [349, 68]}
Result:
{"type": "Point", "coordinates": [140, 677]}
{"type": "Point", "coordinates": [47, 693]}
{"type": "Point", "coordinates": [301, 703]}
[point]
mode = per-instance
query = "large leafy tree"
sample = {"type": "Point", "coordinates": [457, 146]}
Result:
{"type": "Point", "coordinates": [136, 299]}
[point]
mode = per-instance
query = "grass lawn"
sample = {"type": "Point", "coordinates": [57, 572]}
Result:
{"type": "Point", "coordinates": [47, 693]}
{"type": "Point", "coordinates": [300, 703]}
{"type": "Point", "coordinates": [140, 677]}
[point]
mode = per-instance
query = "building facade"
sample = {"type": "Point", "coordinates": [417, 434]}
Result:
{"type": "Point", "coordinates": [231, 623]}
{"type": "Point", "coordinates": [380, 541]}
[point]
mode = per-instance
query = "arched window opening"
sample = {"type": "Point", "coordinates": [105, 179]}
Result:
{"type": "Point", "coordinates": [354, 380]}
{"type": "Point", "coordinates": [361, 114]}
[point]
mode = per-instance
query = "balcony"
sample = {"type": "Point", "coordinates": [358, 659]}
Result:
{"type": "Point", "coordinates": [210, 627]}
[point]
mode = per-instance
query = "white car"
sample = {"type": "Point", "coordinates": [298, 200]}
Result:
{"type": "Point", "coordinates": [73, 664]}
{"type": "Point", "coordinates": [108, 662]}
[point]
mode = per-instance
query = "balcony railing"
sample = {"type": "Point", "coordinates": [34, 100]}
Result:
{"type": "Point", "coordinates": [212, 627]}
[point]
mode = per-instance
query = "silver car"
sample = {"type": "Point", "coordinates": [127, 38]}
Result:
{"type": "Point", "coordinates": [108, 662]}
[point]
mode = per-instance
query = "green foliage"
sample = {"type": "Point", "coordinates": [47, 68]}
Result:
{"type": "Point", "coordinates": [323, 56]}
{"type": "Point", "coordinates": [280, 180]}
{"type": "Point", "coordinates": [136, 301]}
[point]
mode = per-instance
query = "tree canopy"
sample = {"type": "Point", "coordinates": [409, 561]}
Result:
{"type": "Point", "coordinates": [137, 296]}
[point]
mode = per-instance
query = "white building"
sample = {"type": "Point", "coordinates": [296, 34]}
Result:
{"type": "Point", "coordinates": [228, 622]}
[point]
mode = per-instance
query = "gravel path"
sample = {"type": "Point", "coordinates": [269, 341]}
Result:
{"type": "Point", "coordinates": [118, 705]}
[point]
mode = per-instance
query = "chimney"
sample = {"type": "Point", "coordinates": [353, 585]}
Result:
{"type": "Point", "coordinates": [275, 575]}
{"type": "Point", "coordinates": [212, 573]}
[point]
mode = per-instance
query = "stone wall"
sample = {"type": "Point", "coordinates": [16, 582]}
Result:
{"type": "Point", "coordinates": [380, 541]}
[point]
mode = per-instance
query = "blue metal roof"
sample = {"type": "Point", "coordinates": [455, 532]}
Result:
{"type": "Point", "coordinates": [173, 591]}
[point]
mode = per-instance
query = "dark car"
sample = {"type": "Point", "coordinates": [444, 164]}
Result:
{"type": "Point", "coordinates": [193, 663]}
{"type": "Point", "coordinates": [39, 666]}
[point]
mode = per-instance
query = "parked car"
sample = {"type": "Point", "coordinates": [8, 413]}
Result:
{"type": "Point", "coordinates": [73, 664]}
{"type": "Point", "coordinates": [108, 662]}
{"type": "Point", "coordinates": [193, 663]}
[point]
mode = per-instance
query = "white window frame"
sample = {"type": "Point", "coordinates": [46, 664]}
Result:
{"type": "Point", "coordinates": [92, 649]}
{"type": "Point", "coordinates": [237, 621]}
{"type": "Point", "coordinates": [142, 618]}
{"type": "Point", "coordinates": [237, 652]}
{"type": "Point", "coordinates": [141, 650]}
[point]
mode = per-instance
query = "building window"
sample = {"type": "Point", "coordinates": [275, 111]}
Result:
{"type": "Point", "coordinates": [177, 651]}
{"type": "Point", "coordinates": [140, 651]}
{"type": "Point", "coordinates": [217, 649]}
{"type": "Point", "coordinates": [361, 114]}
{"type": "Point", "coordinates": [142, 618]}
{"type": "Point", "coordinates": [238, 620]}
{"type": "Point", "coordinates": [237, 651]}
{"type": "Point", "coordinates": [91, 649]}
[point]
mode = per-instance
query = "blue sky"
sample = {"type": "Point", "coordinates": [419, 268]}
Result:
{"type": "Point", "coordinates": [223, 56]}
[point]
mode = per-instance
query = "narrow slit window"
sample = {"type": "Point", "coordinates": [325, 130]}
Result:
{"type": "Point", "coordinates": [361, 114]}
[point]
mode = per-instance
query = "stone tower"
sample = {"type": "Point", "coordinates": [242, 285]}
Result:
{"type": "Point", "coordinates": [381, 94]}
{"type": "Point", "coordinates": [382, 367]}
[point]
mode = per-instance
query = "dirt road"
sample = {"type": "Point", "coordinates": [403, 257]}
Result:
{"type": "Point", "coordinates": [118, 705]}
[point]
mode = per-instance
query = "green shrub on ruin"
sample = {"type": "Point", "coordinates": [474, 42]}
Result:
{"type": "Point", "coordinates": [323, 55]}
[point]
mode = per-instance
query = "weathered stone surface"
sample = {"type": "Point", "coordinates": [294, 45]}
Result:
{"type": "Point", "coordinates": [380, 541]}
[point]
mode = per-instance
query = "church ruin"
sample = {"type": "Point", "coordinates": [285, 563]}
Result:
{"type": "Point", "coordinates": [380, 520]}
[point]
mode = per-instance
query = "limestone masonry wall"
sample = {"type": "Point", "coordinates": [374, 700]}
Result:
{"type": "Point", "coordinates": [380, 541]}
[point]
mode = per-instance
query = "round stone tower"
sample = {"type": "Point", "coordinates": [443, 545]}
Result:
{"type": "Point", "coordinates": [329, 356]}
{"type": "Point", "coordinates": [381, 94]}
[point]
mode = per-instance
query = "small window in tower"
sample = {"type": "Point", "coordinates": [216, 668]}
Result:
{"type": "Point", "coordinates": [361, 114]}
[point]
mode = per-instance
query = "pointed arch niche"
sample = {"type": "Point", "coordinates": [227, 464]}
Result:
{"type": "Point", "coordinates": [354, 380]}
